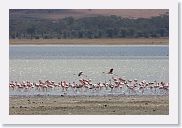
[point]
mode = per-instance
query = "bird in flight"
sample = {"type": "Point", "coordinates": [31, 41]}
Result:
{"type": "Point", "coordinates": [110, 71]}
{"type": "Point", "coordinates": [80, 73]}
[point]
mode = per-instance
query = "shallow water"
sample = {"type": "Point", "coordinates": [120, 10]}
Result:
{"type": "Point", "coordinates": [65, 62]}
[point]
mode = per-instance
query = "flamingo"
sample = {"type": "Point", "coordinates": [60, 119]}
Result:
{"type": "Point", "coordinates": [111, 86]}
{"type": "Point", "coordinates": [66, 85]}
{"type": "Point", "coordinates": [115, 83]}
{"type": "Point", "coordinates": [141, 87]}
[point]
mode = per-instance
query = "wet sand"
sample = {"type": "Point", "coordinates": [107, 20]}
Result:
{"type": "Point", "coordinates": [89, 105]}
{"type": "Point", "coordinates": [117, 41]}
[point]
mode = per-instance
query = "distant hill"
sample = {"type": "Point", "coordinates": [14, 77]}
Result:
{"type": "Point", "coordinates": [56, 14]}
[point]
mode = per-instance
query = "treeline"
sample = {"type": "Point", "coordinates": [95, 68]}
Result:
{"type": "Point", "coordinates": [89, 27]}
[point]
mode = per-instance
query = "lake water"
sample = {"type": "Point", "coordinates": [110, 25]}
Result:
{"type": "Point", "coordinates": [59, 63]}
{"type": "Point", "coordinates": [87, 52]}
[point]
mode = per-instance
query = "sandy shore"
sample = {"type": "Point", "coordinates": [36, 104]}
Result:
{"type": "Point", "coordinates": [121, 41]}
{"type": "Point", "coordinates": [89, 105]}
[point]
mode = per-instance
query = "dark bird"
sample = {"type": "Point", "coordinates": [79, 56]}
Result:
{"type": "Point", "coordinates": [80, 73]}
{"type": "Point", "coordinates": [111, 71]}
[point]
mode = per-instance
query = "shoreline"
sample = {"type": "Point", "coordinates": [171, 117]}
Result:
{"type": "Point", "coordinates": [107, 95]}
{"type": "Point", "coordinates": [117, 41]}
{"type": "Point", "coordinates": [89, 105]}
